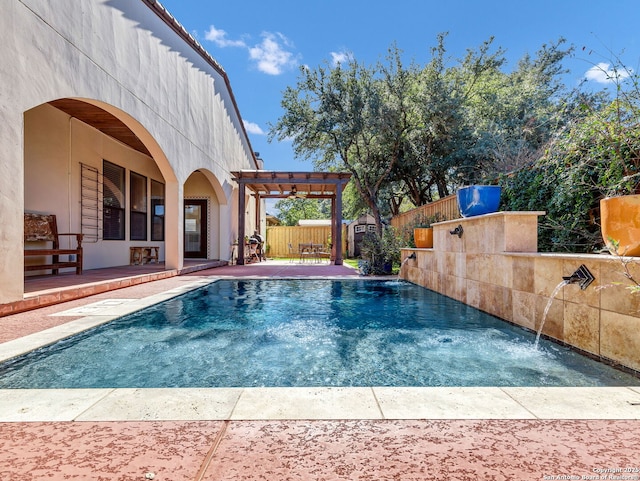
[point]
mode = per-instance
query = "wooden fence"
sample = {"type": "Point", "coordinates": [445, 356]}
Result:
{"type": "Point", "coordinates": [279, 238]}
{"type": "Point", "coordinates": [446, 207]}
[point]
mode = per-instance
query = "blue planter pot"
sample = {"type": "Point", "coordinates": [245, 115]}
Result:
{"type": "Point", "coordinates": [478, 199]}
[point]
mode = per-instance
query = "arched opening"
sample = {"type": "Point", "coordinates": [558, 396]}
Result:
{"type": "Point", "coordinates": [205, 207]}
{"type": "Point", "coordinates": [103, 175]}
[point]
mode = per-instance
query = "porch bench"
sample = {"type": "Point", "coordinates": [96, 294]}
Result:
{"type": "Point", "coordinates": [139, 255]}
{"type": "Point", "coordinates": [44, 228]}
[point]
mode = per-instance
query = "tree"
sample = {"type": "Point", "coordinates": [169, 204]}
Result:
{"type": "Point", "coordinates": [410, 132]}
{"type": "Point", "coordinates": [595, 153]}
{"type": "Point", "coordinates": [441, 137]}
{"type": "Point", "coordinates": [293, 210]}
{"type": "Point", "coordinates": [348, 117]}
{"type": "Point", "coordinates": [515, 114]}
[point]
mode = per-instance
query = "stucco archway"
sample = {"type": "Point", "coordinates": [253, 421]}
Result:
{"type": "Point", "coordinates": [67, 143]}
{"type": "Point", "coordinates": [206, 217]}
{"type": "Point", "coordinates": [130, 59]}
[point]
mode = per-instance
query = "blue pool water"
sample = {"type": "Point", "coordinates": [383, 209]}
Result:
{"type": "Point", "coordinates": [307, 333]}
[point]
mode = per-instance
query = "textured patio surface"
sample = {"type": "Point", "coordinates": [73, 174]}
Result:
{"type": "Point", "coordinates": [319, 450]}
{"type": "Point", "coordinates": [440, 434]}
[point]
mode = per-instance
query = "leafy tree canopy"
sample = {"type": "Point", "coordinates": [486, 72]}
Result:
{"type": "Point", "coordinates": [593, 154]}
{"type": "Point", "coordinates": [411, 132]}
{"type": "Point", "coordinates": [293, 210]}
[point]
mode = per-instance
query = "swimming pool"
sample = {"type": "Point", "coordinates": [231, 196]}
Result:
{"type": "Point", "coordinates": [306, 333]}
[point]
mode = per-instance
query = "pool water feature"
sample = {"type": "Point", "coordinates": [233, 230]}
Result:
{"type": "Point", "coordinates": [235, 333]}
{"type": "Point", "coordinates": [545, 313]}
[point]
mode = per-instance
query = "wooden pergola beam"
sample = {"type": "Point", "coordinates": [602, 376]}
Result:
{"type": "Point", "coordinates": [267, 184]}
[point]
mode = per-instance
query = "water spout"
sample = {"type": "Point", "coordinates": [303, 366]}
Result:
{"type": "Point", "coordinates": [546, 311]}
{"type": "Point", "coordinates": [457, 231]}
{"type": "Point", "coordinates": [581, 276]}
{"type": "Point", "coordinates": [406, 259]}
{"type": "Point", "coordinates": [412, 256]}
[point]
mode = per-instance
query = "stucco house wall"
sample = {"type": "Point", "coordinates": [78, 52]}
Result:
{"type": "Point", "coordinates": [126, 57]}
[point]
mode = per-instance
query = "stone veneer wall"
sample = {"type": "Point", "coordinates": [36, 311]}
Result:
{"type": "Point", "coordinates": [496, 268]}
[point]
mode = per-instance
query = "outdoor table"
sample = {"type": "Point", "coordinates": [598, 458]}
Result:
{"type": "Point", "coordinates": [305, 250]}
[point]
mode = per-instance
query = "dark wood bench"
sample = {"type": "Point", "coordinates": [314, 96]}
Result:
{"type": "Point", "coordinates": [43, 228]}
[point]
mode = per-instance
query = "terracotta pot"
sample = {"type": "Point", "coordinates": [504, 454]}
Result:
{"type": "Point", "coordinates": [620, 221]}
{"type": "Point", "coordinates": [423, 237]}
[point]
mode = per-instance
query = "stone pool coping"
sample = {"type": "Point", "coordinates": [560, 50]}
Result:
{"type": "Point", "coordinates": [323, 403]}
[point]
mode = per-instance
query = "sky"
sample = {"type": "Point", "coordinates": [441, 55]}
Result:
{"type": "Point", "coordinates": [262, 44]}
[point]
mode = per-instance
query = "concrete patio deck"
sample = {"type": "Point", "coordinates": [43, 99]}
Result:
{"type": "Point", "coordinates": [300, 433]}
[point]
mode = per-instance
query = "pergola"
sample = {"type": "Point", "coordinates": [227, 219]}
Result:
{"type": "Point", "coordinates": [267, 184]}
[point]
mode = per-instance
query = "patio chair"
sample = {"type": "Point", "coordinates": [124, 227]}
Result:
{"type": "Point", "coordinates": [44, 228]}
{"type": "Point", "coordinates": [320, 252]}
{"type": "Point", "coordinates": [305, 251]}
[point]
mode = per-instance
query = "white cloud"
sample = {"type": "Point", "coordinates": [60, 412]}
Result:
{"type": "Point", "coordinates": [219, 37]}
{"type": "Point", "coordinates": [252, 128]}
{"type": "Point", "coordinates": [603, 73]}
{"type": "Point", "coordinates": [339, 57]}
{"type": "Point", "coordinates": [271, 56]}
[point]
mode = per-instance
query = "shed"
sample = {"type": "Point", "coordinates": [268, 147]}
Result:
{"type": "Point", "coordinates": [356, 231]}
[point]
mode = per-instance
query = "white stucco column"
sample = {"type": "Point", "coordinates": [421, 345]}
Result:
{"type": "Point", "coordinates": [174, 226]}
{"type": "Point", "coordinates": [241, 222]}
{"type": "Point", "coordinates": [11, 207]}
{"type": "Point", "coordinates": [226, 235]}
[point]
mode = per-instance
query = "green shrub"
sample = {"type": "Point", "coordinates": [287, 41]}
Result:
{"type": "Point", "coordinates": [380, 254]}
